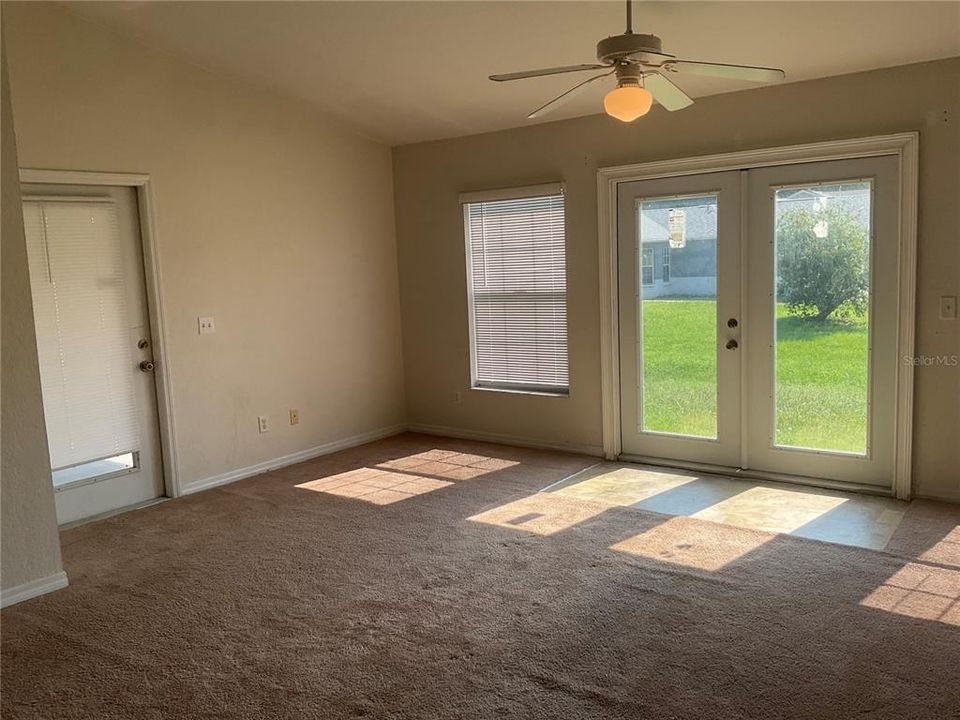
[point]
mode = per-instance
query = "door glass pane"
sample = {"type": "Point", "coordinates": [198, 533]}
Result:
{"type": "Point", "coordinates": [822, 299]}
{"type": "Point", "coordinates": [95, 469]}
{"type": "Point", "coordinates": [678, 315]}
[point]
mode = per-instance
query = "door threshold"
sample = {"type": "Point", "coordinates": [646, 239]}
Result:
{"type": "Point", "coordinates": [735, 472]}
{"type": "Point", "coordinates": [110, 513]}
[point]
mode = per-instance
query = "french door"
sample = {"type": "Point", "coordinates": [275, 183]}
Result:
{"type": "Point", "coordinates": [94, 347]}
{"type": "Point", "coordinates": [758, 319]}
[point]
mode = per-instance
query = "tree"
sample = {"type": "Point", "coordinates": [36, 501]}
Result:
{"type": "Point", "coordinates": [816, 275]}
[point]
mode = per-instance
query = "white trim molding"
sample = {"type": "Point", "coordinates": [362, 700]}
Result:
{"type": "Point", "coordinates": [291, 459]}
{"type": "Point", "coordinates": [504, 439]}
{"type": "Point", "coordinates": [512, 193]}
{"type": "Point", "coordinates": [154, 285]}
{"type": "Point", "coordinates": [905, 146]}
{"type": "Point", "coordinates": [34, 588]}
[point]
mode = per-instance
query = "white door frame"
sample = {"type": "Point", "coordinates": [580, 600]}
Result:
{"type": "Point", "coordinates": [154, 287]}
{"type": "Point", "coordinates": [905, 146]}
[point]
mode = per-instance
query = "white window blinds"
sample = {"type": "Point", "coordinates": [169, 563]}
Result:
{"type": "Point", "coordinates": [87, 370]}
{"type": "Point", "coordinates": [516, 270]}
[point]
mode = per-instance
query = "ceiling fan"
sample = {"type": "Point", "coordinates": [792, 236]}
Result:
{"type": "Point", "coordinates": [641, 68]}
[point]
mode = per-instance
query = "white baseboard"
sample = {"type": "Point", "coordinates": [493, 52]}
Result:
{"type": "Point", "coordinates": [34, 588]}
{"type": "Point", "coordinates": [291, 459]}
{"type": "Point", "coordinates": [353, 441]}
{"type": "Point", "coordinates": [944, 498]}
{"type": "Point", "coordinates": [504, 439]}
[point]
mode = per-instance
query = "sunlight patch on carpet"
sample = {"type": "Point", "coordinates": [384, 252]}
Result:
{"type": "Point", "coordinates": [946, 551]}
{"type": "Point", "coordinates": [703, 546]}
{"type": "Point", "coordinates": [380, 487]}
{"type": "Point", "coordinates": [918, 590]}
{"type": "Point", "coordinates": [401, 478]}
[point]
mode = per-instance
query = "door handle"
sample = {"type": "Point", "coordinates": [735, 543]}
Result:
{"type": "Point", "coordinates": [732, 345]}
{"type": "Point", "coordinates": [147, 366]}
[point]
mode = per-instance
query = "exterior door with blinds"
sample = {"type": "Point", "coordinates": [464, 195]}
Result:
{"type": "Point", "coordinates": [517, 289]}
{"type": "Point", "coordinates": [94, 346]}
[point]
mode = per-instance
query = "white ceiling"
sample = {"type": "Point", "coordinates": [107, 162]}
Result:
{"type": "Point", "coordinates": [409, 71]}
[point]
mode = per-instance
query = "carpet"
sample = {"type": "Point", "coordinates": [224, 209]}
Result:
{"type": "Point", "coordinates": [419, 577]}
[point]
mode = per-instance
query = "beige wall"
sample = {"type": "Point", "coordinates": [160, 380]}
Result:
{"type": "Point", "coordinates": [29, 546]}
{"type": "Point", "coordinates": [270, 217]}
{"type": "Point", "coordinates": [428, 176]}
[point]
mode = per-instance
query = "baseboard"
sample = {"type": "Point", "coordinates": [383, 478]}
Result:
{"type": "Point", "coordinates": [505, 439]}
{"type": "Point", "coordinates": [952, 499]}
{"type": "Point", "coordinates": [291, 459]}
{"type": "Point", "coordinates": [32, 589]}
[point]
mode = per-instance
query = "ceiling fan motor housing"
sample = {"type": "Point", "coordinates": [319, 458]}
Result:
{"type": "Point", "coordinates": [645, 49]}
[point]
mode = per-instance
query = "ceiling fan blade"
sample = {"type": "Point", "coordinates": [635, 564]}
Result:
{"type": "Point", "coordinates": [545, 71]}
{"type": "Point", "coordinates": [665, 92]}
{"type": "Point", "coordinates": [563, 97]}
{"type": "Point", "coordinates": [733, 72]}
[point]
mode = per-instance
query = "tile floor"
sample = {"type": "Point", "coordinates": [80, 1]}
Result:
{"type": "Point", "coordinates": [829, 515]}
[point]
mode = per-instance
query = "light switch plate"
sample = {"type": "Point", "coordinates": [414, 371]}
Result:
{"type": "Point", "coordinates": [205, 325]}
{"type": "Point", "coordinates": [948, 307]}
{"type": "Point", "coordinates": [294, 416]}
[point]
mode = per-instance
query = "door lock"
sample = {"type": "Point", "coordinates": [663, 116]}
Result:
{"type": "Point", "coordinates": [732, 323]}
{"type": "Point", "coordinates": [732, 345]}
{"type": "Point", "coordinates": [143, 344]}
{"type": "Point", "coordinates": [147, 366]}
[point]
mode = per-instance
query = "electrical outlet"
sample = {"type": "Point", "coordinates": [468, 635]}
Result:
{"type": "Point", "coordinates": [205, 325]}
{"type": "Point", "coordinates": [263, 422]}
{"type": "Point", "coordinates": [948, 307]}
{"type": "Point", "coordinates": [294, 416]}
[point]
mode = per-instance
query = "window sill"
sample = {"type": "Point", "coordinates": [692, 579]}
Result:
{"type": "Point", "coordinates": [519, 391]}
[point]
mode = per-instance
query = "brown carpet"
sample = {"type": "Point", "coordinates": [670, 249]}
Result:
{"type": "Point", "coordinates": [405, 583]}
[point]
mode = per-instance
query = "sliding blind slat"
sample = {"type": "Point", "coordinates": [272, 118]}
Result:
{"type": "Point", "coordinates": [87, 369]}
{"type": "Point", "coordinates": [518, 304]}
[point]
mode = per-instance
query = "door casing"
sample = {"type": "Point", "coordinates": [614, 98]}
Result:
{"type": "Point", "coordinates": [153, 278]}
{"type": "Point", "coordinates": [905, 146]}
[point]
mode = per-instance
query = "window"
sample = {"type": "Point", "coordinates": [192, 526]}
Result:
{"type": "Point", "coordinates": [646, 266]}
{"type": "Point", "coordinates": [517, 288]}
{"type": "Point", "coordinates": [666, 264]}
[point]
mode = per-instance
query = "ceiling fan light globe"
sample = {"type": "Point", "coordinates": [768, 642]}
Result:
{"type": "Point", "coordinates": [628, 102]}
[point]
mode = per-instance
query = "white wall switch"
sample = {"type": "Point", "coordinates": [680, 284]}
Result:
{"type": "Point", "coordinates": [205, 325]}
{"type": "Point", "coordinates": [948, 307]}
{"type": "Point", "coordinates": [294, 416]}
{"type": "Point", "coordinates": [263, 422]}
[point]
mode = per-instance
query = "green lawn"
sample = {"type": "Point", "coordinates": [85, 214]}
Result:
{"type": "Point", "coordinates": [821, 375]}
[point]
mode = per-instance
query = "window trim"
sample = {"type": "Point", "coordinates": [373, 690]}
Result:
{"type": "Point", "coordinates": [513, 193]}
{"type": "Point", "coordinates": [644, 254]}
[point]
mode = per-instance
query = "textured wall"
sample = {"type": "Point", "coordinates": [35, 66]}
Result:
{"type": "Point", "coordinates": [28, 523]}
{"type": "Point", "coordinates": [269, 216]}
